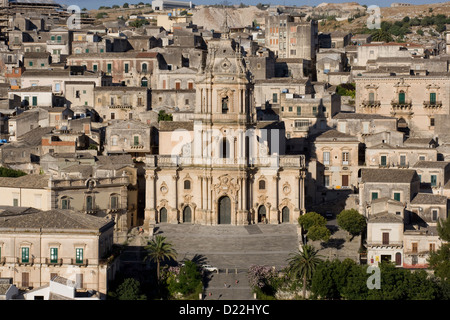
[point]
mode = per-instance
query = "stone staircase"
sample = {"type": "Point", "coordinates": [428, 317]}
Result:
{"type": "Point", "coordinates": [215, 289]}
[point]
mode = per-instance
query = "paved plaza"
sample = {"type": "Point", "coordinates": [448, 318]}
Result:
{"type": "Point", "coordinates": [233, 247]}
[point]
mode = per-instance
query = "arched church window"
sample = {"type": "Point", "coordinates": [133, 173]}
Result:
{"type": "Point", "coordinates": [225, 105]}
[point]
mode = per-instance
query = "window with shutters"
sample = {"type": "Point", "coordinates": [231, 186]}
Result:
{"type": "Point", "coordinates": [374, 195]}
{"type": "Point", "coordinates": [79, 255]}
{"type": "Point", "coordinates": [433, 180]}
{"type": "Point", "coordinates": [397, 196]}
{"type": "Point", "coordinates": [414, 247]}
{"type": "Point", "coordinates": [434, 214]}
{"type": "Point", "coordinates": [25, 254]}
{"type": "Point", "coordinates": [326, 180]}
{"type": "Point", "coordinates": [345, 158]}
{"type": "Point", "coordinates": [385, 238]}
{"type": "Point", "coordinates": [383, 161]}
{"type": "Point", "coordinates": [53, 255]}
{"type": "Point", "coordinates": [432, 247]}
{"type": "Point", "coordinates": [326, 158]}
{"type": "Point", "coordinates": [114, 201]}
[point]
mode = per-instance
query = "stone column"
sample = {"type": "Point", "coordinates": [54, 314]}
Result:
{"type": "Point", "coordinates": [150, 201]}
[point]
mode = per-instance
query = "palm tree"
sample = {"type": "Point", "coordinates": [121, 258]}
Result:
{"type": "Point", "coordinates": [303, 264]}
{"type": "Point", "coordinates": [159, 250]}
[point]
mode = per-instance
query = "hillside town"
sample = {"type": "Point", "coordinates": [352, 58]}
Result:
{"type": "Point", "coordinates": [113, 131]}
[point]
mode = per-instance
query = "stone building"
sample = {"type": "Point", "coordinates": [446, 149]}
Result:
{"type": "Point", "coordinates": [38, 245]}
{"type": "Point", "coordinates": [415, 100]}
{"type": "Point", "coordinates": [385, 238]}
{"type": "Point", "coordinates": [397, 184]}
{"type": "Point", "coordinates": [128, 68]}
{"type": "Point", "coordinates": [120, 102]}
{"type": "Point", "coordinates": [225, 170]}
{"type": "Point", "coordinates": [129, 136]}
{"type": "Point", "coordinates": [292, 36]}
{"type": "Point", "coordinates": [338, 157]}
{"type": "Point", "coordinates": [365, 126]}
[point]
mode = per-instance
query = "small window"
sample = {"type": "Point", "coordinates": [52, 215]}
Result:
{"type": "Point", "coordinates": [326, 158]}
{"type": "Point", "coordinates": [432, 247]}
{"type": "Point", "coordinates": [79, 255]}
{"type": "Point", "coordinates": [53, 255]}
{"type": "Point", "coordinates": [432, 122]}
{"type": "Point", "coordinates": [434, 215]}
{"type": "Point", "coordinates": [433, 180]}
{"type": "Point", "coordinates": [187, 185]}
{"type": "Point", "coordinates": [25, 254]}
{"type": "Point", "coordinates": [114, 202]}
{"type": "Point", "coordinates": [345, 158]}
{"type": "Point", "coordinates": [65, 203]}
{"type": "Point", "coordinates": [385, 237]}
{"type": "Point", "coordinates": [262, 185]}
{"type": "Point", "coordinates": [397, 196]}
{"type": "Point", "coordinates": [374, 195]}
{"type": "Point", "coordinates": [275, 98]}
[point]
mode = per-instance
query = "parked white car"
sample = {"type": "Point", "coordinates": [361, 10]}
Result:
{"type": "Point", "coordinates": [210, 268]}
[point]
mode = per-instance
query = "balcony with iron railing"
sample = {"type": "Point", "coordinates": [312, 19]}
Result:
{"type": "Point", "coordinates": [398, 105]}
{"type": "Point", "coordinates": [54, 262]}
{"type": "Point", "coordinates": [25, 262]}
{"type": "Point", "coordinates": [120, 106]}
{"type": "Point", "coordinates": [370, 103]}
{"type": "Point", "coordinates": [57, 42]}
{"type": "Point", "coordinates": [432, 104]}
{"type": "Point", "coordinates": [81, 263]}
{"type": "Point", "coordinates": [385, 244]}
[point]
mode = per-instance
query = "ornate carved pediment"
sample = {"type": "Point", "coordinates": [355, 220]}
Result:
{"type": "Point", "coordinates": [187, 198]}
{"type": "Point", "coordinates": [226, 184]}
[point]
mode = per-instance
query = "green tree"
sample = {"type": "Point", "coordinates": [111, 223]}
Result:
{"type": "Point", "coordinates": [6, 172]}
{"type": "Point", "coordinates": [316, 233]}
{"type": "Point", "coordinates": [351, 221]}
{"type": "Point", "coordinates": [420, 286]}
{"type": "Point", "coordinates": [310, 219]}
{"type": "Point", "coordinates": [381, 35]}
{"type": "Point", "coordinates": [129, 290]}
{"type": "Point", "coordinates": [323, 285]}
{"type": "Point", "coordinates": [394, 283]}
{"type": "Point", "coordinates": [125, 5]}
{"type": "Point", "coordinates": [303, 264]}
{"type": "Point", "coordinates": [158, 251]}
{"type": "Point", "coordinates": [139, 23]}
{"type": "Point", "coordinates": [439, 261]}
{"type": "Point", "coordinates": [356, 284]}
{"type": "Point", "coordinates": [163, 116]}
{"type": "Point", "coordinates": [443, 229]}
{"type": "Point", "coordinates": [188, 282]}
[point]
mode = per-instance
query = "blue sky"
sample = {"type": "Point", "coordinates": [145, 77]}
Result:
{"type": "Point", "coordinates": [92, 4]}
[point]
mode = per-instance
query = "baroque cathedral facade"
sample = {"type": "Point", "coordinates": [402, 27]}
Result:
{"type": "Point", "coordinates": [223, 167]}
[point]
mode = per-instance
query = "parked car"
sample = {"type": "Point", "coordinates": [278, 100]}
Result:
{"type": "Point", "coordinates": [209, 268]}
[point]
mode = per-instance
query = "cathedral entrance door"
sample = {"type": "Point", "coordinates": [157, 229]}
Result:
{"type": "Point", "coordinates": [285, 215]}
{"type": "Point", "coordinates": [224, 210]}
{"type": "Point", "coordinates": [163, 215]}
{"type": "Point", "coordinates": [262, 214]}
{"type": "Point", "coordinates": [187, 215]}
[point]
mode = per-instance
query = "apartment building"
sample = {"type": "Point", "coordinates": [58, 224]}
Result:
{"type": "Point", "coordinates": [292, 36]}
{"type": "Point", "coordinates": [39, 245]}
